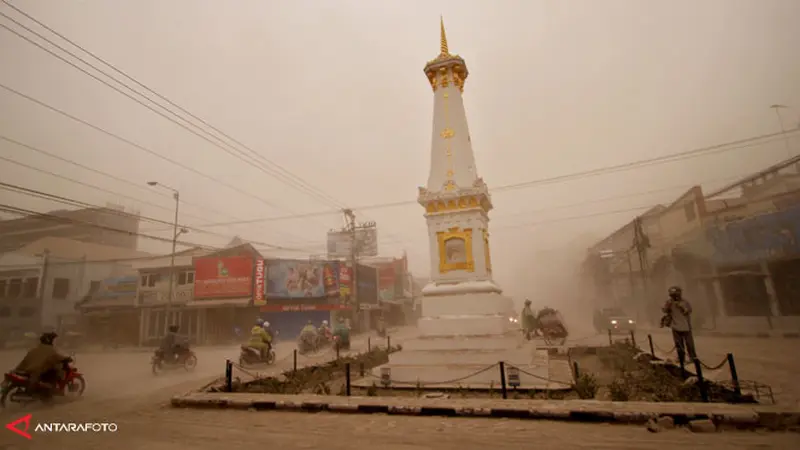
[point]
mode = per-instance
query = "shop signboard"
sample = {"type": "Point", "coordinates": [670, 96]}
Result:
{"type": "Point", "coordinates": [117, 287]}
{"type": "Point", "coordinates": [345, 280]}
{"type": "Point", "coordinates": [218, 277]}
{"type": "Point", "coordinates": [386, 282]}
{"type": "Point", "coordinates": [367, 292]}
{"type": "Point", "coordinates": [294, 279]}
{"type": "Point", "coordinates": [259, 298]}
{"type": "Point", "coordinates": [303, 307]}
{"type": "Point", "coordinates": [340, 243]}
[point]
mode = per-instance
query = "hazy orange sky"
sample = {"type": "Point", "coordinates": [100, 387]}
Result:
{"type": "Point", "coordinates": [333, 91]}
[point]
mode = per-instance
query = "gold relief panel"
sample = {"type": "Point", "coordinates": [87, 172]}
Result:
{"type": "Point", "coordinates": [455, 250]}
{"type": "Point", "coordinates": [453, 205]}
{"type": "Point", "coordinates": [432, 80]}
{"type": "Point", "coordinates": [450, 185]}
{"type": "Point", "coordinates": [444, 80]}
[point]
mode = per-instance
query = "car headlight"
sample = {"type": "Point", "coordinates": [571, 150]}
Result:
{"type": "Point", "coordinates": [630, 321]}
{"type": "Point", "coordinates": [613, 322]}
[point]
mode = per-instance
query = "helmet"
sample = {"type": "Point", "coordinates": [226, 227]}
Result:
{"type": "Point", "coordinates": [174, 328]}
{"type": "Point", "coordinates": [259, 321]}
{"type": "Point", "coordinates": [675, 292]}
{"type": "Point", "coordinates": [324, 322]}
{"type": "Point", "coordinates": [527, 302]}
{"type": "Point", "coordinates": [48, 338]}
{"type": "Point", "coordinates": [310, 323]}
{"type": "Point", "coordinates": [265, 324]}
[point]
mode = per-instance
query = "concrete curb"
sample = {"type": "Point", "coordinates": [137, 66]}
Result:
{"type": "Point", "coordinates": [723, 416]}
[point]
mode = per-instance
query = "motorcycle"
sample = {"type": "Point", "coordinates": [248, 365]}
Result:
{"type": "Point", "coordinates": [183, 358]}
{"type": "Point", "coordinates": [308, 343]}
{"type": "Point", "coordinates": [15, 387]}
{"type": "Point", "coordinates": [252, 356]}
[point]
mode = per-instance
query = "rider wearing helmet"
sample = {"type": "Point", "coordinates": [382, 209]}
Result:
{"type": "Point", "coordinates": [170, 342]}
{"type": "Point", "coordinates": [267, 330]}
{"type": "Point", "coordinates": [259, 338]}
{"type": "Point", "coordinates": [43, 363]}
{"type": "Point", "coordinates": [309, 328]}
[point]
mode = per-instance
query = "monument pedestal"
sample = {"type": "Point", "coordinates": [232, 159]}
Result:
{"type": "Point", "coordinates": [464, 334]}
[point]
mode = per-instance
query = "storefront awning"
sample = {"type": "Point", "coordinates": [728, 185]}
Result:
{"type": "Point", "coordinates": [238, 302]}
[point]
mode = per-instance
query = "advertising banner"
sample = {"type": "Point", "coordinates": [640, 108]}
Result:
{"type": "Point", "coordinates": [299, 279]}
{"type": "Point", "coordinates": [330, 278]}
{"type": "Point", "coordinates": [367, 279]}
{"type": "Point", "coordinates": [345, 280]}
{"type": "Point", "coordinates": [400, 277]}
{"type": "Point", "coordinates": [340, 243]}
{"type": "Point", "coordinates": [223, 277]}
{"type": "Point", "coordinates": [386, 281]}
{"type": "Point", "coordinates": [118, 287]}
{"type": "Point", "coordinates": [303, 307]}
{"type": "Point", "coordinates": [259, 298]}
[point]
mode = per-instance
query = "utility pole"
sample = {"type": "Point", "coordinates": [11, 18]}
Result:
{"type": "Point", "coordinates": [350, 225]}
{"type": "Point", "coordinates": [777, 109]}
{"type": "Point", "coordinates": [175, 234]}
{"type": "Point", "coordinates": [641, 243]}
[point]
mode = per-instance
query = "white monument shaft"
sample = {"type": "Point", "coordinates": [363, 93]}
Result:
{"type": "Point", "coordinates": [465, 318]}
{"type": "Point", "coordinates": [462, 298]}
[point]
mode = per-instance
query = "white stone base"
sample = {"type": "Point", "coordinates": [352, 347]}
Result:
{"type": "Point", "coordinates": [467, 314]}
{"type": "Point", "coordinates": [451, 362]}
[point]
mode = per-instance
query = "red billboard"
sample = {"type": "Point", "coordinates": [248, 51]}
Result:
{"type": "Point", "coordinates": [223, 277]}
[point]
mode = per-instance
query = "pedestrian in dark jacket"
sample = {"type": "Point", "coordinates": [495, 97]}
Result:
{"type": "Point", "coordinates": [678, 316]}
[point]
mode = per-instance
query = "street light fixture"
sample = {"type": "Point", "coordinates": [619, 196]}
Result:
{"type": "Point", "coordinates": [175, 233]}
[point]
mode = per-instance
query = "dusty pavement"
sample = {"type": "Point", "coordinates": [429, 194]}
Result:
{"type": "Point", "coordinates": [121, 383]}
{"type": "Point", "coordinates": [172, 429]}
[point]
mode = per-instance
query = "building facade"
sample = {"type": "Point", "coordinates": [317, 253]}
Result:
{"type": "Point", "coordinates": [92, 225]}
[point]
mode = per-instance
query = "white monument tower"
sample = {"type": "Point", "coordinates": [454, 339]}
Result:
{"type": "Point", "coordinates": [461, 298]}
{"type": "Point", "coordinates": [465, 325]}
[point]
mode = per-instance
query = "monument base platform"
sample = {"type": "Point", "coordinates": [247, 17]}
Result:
{"type": "Point", "coordinates": [466, 313]}
{"type": "Point", "coordinates": [465, 362]}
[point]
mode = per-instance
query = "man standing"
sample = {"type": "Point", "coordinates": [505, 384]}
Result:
{"type": "Point", "coordinates": [678, 316]}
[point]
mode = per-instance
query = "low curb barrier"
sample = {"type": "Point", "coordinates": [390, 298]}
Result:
{"type": "Point", "coordinates": [630, 413]}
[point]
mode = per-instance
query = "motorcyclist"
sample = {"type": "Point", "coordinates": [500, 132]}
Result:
{"type": "Point", "coordinates": [170, 343]}
{"type": "Point", "coordinates": [43, 363]}
{"type": "Point", "coordinates": [259, 338]}
{"type": "Point", "coordinates": [325, 330]}
{"type": "Point", "coordinates": [270, 335]}
{"type": "Point", "coordinates": [528, 320]}
{"type": "Point", "coordinates": [309, 334]}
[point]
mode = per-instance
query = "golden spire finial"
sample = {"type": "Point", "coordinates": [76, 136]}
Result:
{"type": "Point", "coordinates": [444, 49]}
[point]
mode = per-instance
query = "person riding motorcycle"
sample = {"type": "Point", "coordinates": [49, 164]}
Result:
{"type": "Point", "coordinates": [324, 330]}
{"type": "Point", "coordinates": [260, 339]}
{"type": "Point", "coordinates": [270, 335]}
{"type": "Point", "coordinates": [170, 344]}
{"type": "Point", "coordinates": [43, 364]}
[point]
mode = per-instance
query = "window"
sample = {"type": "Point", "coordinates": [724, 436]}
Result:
{"type": "Point", "coordinates": [688, 209]}
{"type": "Point", "coordinates": [14, 288]}
{"type": "Point", "coordinates": [5, 311]}
{"type": "Point", "coordinates": [27, 311]}
{"type": "Point", "coordinates": [150, 279]}
{"type": "Point", "coordinates": [60, 288]}
{"type": "Point", "coordinates": [186, 277]}
{"type": "Point", "coordinates": [30, 287]}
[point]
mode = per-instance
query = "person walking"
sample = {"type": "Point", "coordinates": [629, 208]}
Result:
{"type": "Point", "coordinates": [678, 317]}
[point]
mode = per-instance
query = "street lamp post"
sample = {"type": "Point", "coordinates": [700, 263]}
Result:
{"type": "Point", "coordinates": [175, 233]}
{"type": "Point", "coordinates": [778, 109]}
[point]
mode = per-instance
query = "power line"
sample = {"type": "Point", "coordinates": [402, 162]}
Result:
{"type": "Point", "coordinates": [127, 141]}
{"type": "Point", "coordinates": [45, 216]}
{"type": "Point", "coordinates": [162, 97]}
{"type": "Point", "coordinates": [116, 178]}
{"type": "Point", "coordinates": [78, 203]}
{"type": "Point", "coordinates": [693, 153]}
{"type": "Point", "coordinates": [231, 150]}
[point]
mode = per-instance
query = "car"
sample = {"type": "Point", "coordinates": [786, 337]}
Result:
{"type": "Point", "coordinates": [614, 320]}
